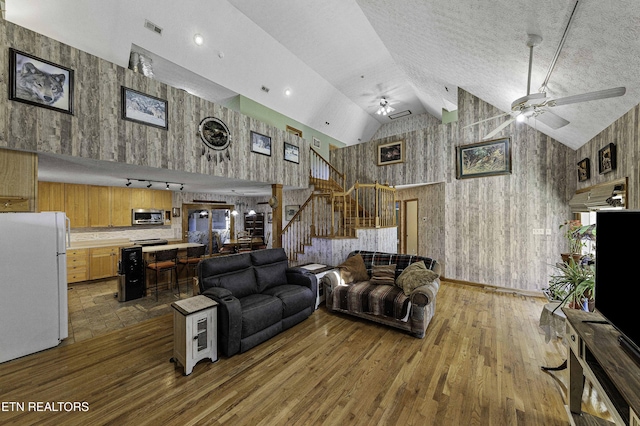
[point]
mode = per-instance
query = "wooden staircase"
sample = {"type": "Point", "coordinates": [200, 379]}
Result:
{"type": "Point", "coordinates": [333, 212]}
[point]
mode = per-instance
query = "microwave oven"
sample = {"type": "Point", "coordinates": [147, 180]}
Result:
{"type": "Point", "coordinates": [147, 217]}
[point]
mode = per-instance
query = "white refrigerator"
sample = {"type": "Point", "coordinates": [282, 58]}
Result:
{"type": "Point", "coordinates": [33, 282]}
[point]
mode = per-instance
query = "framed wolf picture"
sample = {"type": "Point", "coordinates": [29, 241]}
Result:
{"type": "Point", "coordinates": [39, 82]}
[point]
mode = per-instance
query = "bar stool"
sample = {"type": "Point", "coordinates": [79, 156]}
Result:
{"type": "Point", "coordinates": [194, 255]}
{"type": "Point", "coordinates": [165, 260]}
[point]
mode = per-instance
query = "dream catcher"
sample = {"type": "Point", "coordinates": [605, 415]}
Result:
{"type": "Point", "coordinates": [216, 138]}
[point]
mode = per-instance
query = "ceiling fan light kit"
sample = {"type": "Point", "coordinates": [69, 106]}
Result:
{"type": "Point", "coordinates": [385, 108]}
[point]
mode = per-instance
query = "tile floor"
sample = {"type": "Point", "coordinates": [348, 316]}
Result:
{"type": "Point", "coordinates": [94, 309]}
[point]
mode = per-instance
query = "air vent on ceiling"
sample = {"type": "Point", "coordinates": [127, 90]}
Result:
{"type": "Point", "coordinates": [399, 114]}
{"type": "Point", "coordinates": [265, 89]}
{"type": "Point", "coordinates": [153, 27]}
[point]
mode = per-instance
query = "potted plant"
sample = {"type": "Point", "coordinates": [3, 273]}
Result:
{"type": "Point", "coordinates": [573, 284]}
{"type": "Point", "coordinates": [575, 243]}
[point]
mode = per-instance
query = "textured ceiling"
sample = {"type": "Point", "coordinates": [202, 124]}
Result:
{"type": "Point", "coordinates": [339, 56]}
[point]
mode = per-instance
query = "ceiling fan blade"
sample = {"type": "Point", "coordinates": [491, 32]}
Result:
{"type": "Point", "coordinates": [591, 96]}
{"type": "Point", "coordinates": [550, 119]}
{"type": "Point", "coordinates": [498, 129]}
{"type": "Point", "coordinates": [487, 119]}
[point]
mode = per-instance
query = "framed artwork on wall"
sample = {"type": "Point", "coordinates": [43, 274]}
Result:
{"type": "Point", "coordinates": [290, 211]}
{"type": "Point", "coordinates": [391, 153]}
{"type": "Point", "coordinates": [291, 153]}
{"type": "Point", "coordinates": [490, 158]}
{"type": "Point", "coordinates": [142, 108]}
{"type": "Point", "coordinates": [584, 170]}
{"type": "Point", "coordinates": [39, 82]}
{"type": "Point", "coordinates": [316, 142]}
{"type": "Point", "coordinates": [607, 159]}
{"type": "Point", "coordinates": [260, 144]}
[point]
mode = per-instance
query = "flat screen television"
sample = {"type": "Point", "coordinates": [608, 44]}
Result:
{"type": "Point", "coordinates": [617, 274]}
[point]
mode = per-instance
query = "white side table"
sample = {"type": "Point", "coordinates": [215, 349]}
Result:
{"type": "Point", "coordinates": [195, 324]}
{"type": "Point", "coordinates": [319, 271]}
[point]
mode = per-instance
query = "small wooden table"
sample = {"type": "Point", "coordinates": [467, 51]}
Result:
{"type": "Point", "coordinates": [195, 324]}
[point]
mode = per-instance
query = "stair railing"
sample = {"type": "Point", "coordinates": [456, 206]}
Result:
{"type": "Point", "coordinates": [323, 175]}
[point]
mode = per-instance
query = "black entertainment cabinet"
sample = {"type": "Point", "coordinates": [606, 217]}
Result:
{"type": "Point", "coordinates": [596, 354]}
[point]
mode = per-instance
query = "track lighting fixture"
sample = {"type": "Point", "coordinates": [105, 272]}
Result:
{"type": "Point", "coordinates": [150, 183]}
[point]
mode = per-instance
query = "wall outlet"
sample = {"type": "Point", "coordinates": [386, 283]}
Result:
{"type": "Point", "coordinates": [548, 232]}
{"type": "Point", "coordinates": [538, 231]}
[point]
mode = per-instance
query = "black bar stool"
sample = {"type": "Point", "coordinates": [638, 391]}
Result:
{"type": "Point", "coordinates": [165, 260]}
{"type": "Point", "coordinates": [194, 255]}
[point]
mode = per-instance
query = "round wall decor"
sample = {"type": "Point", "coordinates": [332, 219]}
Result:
{"type": "Point", "coordinates": [214, 133]}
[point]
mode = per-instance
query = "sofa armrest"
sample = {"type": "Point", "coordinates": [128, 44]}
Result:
{"type": "Point", "coordinates": [229, 319]}
{"type": "Point", "coordinates": [300, 276]}
{"type": "Point", "coordinates": [425, 294]}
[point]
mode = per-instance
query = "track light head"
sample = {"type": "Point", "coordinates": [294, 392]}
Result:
{"type": "Point", "coordinates": [149, 186]}
{"type": "Point", "coordinates": [128, 182]}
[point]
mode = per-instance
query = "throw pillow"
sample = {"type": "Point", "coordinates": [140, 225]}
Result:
{"type": "Point", "coordinates": [414, 276]}
{"type": "Point", "coordinates": [383, 274]}
{"type": "Point", "coordinates": [353, 270]}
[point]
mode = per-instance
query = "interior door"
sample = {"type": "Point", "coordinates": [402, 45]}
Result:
{"type": "Point", "coordinates": [411, 226]}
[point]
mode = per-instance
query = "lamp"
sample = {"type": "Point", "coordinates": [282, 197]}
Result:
{"type": "Point", "coordinates": [149, 186]}
{"type": "Point", "coordinates": [252, 212]}
{"type": "Point", "coordinates": [167, 186]}
{"type": "Point", "coordinates": [385, 108]}
{"type": "Point", "coordinates": [150, 183]}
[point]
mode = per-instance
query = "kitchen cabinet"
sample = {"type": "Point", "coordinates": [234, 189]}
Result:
{"type": "Point", "coordinates": [141, 198]}
{"type": "Point", "coordinates": [163, 200]}
{"type": "Point", "coordinates": [99, 206]}
{"type": "Point", "coordinates": [51, 197]}
{"type": "Point", "coordinates": [120, 206]}
{"type": "Point", "coordinates": [76, 204]}
{"type": "Point", "coordinates": [77, 265]}
{"type": "Point", "coordinates": [103, 262]}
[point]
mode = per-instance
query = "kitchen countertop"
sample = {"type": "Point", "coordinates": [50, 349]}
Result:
{"type": "Point", "coordinates": [100, 243]}
{"type": "Point", "coordinates": [153, 249]}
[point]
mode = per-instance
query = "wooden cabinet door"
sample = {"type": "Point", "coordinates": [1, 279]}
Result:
{"type": "Point", "coordinates": [141, 198]}
{"type": "Point", "coordinates": [120, 206]}
{"type": "Point", "coordinates": [76, 204]}
{"type": "Point", "coordinates": [163, 200]}
{"type": "Point", "coordinates": [51, 197]}
{"type": "Point", "coordinates": [99, 206]}
{"type": "Point", "coordinates": [103, 262]}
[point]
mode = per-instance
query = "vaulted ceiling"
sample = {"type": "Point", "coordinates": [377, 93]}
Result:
{"type": "Point", "coordinates": [339, 57]}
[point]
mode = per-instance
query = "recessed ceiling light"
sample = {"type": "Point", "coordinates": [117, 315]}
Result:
{"type": "Point", "coordinates": [198, 39]}
{"type": "Point", "coordinates": [287, 92]}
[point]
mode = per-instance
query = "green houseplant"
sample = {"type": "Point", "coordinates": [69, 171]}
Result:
{"type": "Point", "coordinates": [574, 283]}
{"type": "Point", "coordinates": [576, 234]}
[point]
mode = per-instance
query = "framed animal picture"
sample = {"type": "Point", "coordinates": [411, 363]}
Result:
{"type": "Point", "coordinates": [490, 158]}
{"type": "Point", "coordinates": [584, 170]}
{"type": "Point", "coordinates": [145, 109]}
{"type": "Point", "coordinates": [607, 159]}
{"type": "Point", "coordinates": [38, 82]}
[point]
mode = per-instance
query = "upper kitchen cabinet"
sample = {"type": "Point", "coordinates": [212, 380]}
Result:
{"type": "Point", "coordinates": [163, 200]}
{"type": "Point", "coordinates": [99, 206]}
{"type": "Point", "coordinates": [51, 197]}
{"type": "Point", "coordinates": [120, 206]}
{"type": "Point", "coordinates": [77, 204]}
{"type": "Point", "coordinates": [18, 181]}
{"type": "Point", "coordinates": [141, 198]}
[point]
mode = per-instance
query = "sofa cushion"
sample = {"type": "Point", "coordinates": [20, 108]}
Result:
{"type": "Point", "coordinates": [259, 311]}
{"type": "Point", "coordinates": [383, 274]}
{"type": "Point", "coordinates": [294, 298]}
{"type": "Point", "coordinates": [267, 257]}
{"type": "Point", "coordinates": [353, 270]}
{"type": "Point", "coordinates": [401, 260]}
{"type": "Point", "coordinates": [241, 283]}
{"type": "Point", "coordinates": [364, 297]}
{"type": "Point", "coordinates": [268, 276]}
{"type": "Point", "coordinates": [415, 275]}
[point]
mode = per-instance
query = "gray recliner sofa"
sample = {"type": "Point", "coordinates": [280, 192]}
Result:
{"type": "Point", "coordinates": [258, 294]}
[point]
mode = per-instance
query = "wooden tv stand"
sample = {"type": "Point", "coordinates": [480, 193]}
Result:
{"type": "Point", "coordinates": [595, 354]}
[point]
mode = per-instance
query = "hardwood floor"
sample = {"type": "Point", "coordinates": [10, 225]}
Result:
{"type": "Point", "coordinates": [478, 364]}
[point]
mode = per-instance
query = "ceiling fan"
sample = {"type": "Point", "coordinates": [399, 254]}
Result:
{"type": "Point", "coordinates": [536, 105]}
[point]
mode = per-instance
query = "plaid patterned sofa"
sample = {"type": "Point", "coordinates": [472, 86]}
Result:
{"type": "Point", "coordinates": [385, 304]}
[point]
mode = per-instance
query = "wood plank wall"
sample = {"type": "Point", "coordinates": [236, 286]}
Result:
{"type": "Point", "coordinates": [96, 130]}
{"type": "Point", "coordinates": [625, 134]}
{"type": "Point", "coordinates": [487, 222]}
